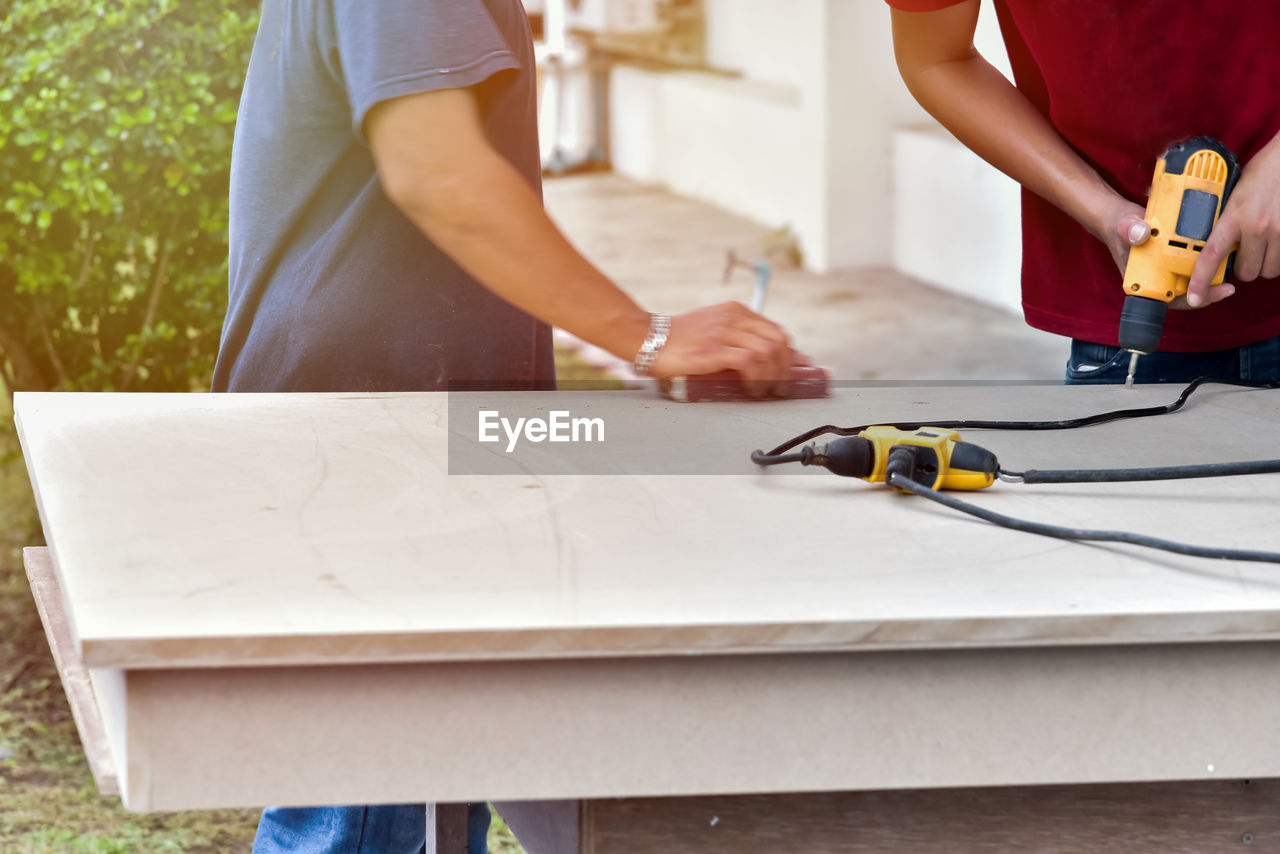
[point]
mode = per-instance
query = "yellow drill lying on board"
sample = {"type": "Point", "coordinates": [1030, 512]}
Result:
{"type": "Point", "coordinates": [930, 456]}
{"type": "Point", "coordinates": [1190, 188]}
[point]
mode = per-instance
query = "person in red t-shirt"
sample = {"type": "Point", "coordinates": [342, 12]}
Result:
{"type": "Point", "coordinates": [1102, 90]}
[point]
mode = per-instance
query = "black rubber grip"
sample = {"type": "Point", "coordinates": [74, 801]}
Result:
{"type": "Point", "coordinates": [851, 456]}
{"type": "Point", "coordinates": [967, 456]}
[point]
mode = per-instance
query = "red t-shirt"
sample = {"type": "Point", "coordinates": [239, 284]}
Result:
{"type": "Point", "coordinates": [1121, 82]}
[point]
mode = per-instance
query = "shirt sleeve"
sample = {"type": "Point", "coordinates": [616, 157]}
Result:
{"type": "Point", "coordinates": [391, 48]}
{"type": "Point", "coordinates": [922, 5]}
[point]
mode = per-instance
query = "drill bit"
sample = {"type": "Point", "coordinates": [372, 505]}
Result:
{"type": "Point", "coordinates": [1133, 367]}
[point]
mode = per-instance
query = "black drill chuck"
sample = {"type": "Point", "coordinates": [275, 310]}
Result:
{"type": "Point", "coordinates": [1142, 323]}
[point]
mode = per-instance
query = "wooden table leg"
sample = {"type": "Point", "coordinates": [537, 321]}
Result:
{"type": "Point", "coordinates": [446, 829]}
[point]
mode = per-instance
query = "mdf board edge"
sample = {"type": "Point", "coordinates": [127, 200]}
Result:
{"type": "Point", "coordinates": [569, 729]}
{"type": "Point", "coordinates": [77, 680]}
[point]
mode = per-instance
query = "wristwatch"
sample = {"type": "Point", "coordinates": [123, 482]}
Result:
{"type": "Point", "coordinates": [659, 328]}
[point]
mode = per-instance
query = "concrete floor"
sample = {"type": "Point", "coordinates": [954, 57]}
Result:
{"type": "Point", "coordinates": [869, 323]}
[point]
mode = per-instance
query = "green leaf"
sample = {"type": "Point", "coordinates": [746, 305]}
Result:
{"type": "Point", "coordinates": [225, 112]}
{"type": "Point", "coordinates": [116, 123]}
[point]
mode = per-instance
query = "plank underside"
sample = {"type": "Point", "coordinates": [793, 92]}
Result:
{"type": "Point", "coordinates": [1170, 818]}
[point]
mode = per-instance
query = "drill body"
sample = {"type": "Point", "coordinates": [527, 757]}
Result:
{"type": "Point", "coordinates": [1188, 192]}
{"type": "Point", "coordinates": [931, 456]}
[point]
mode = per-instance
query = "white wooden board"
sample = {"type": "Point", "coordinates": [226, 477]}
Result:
{"type": "Point", "coordinates": [205, 530]}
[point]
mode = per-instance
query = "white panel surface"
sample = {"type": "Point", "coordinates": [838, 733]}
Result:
{"type": "Point", "coordinates": [204, 530]}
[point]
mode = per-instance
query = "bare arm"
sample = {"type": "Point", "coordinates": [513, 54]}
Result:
{"type": "Point", "coordinates": [437, 167]}
{"type": "Point", "coordinates": [950, 79]}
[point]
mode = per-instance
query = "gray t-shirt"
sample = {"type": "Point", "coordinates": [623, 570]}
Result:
{"type": "Point", "coordinates": [332, 288]}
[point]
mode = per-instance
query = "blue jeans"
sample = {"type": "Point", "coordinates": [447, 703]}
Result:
{"type": "Point", "coordinates": [387, 829]}
{"type": "Point", "coordinates": [1098, 363]}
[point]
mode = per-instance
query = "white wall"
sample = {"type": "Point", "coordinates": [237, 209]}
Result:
{"type": "Point", "coordinates": [955, 219]}
{"type": "Point", "coordinates": [747, 142]}
{"type": "Point", "coordinates": [866, 100]}
{"type": "Point", "coordinates": [804, 134]}
{"type": "Point", "coordinates": [733, 143]}
{"type": "Point", "coordinates": [766, 40]}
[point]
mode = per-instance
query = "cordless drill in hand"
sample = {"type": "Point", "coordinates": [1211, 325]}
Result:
{"type": "Point", "coordinates": [1192, 182]}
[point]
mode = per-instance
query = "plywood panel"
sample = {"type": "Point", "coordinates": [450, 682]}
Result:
{"type": "Point", "coordinates": [202, 530]}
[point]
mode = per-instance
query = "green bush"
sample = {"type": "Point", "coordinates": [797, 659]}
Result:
{"type": "Point", "coordinates": [116, 120]}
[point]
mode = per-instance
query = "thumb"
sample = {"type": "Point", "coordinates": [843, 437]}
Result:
{"type": "Point", "coordinates": [1133, 229]}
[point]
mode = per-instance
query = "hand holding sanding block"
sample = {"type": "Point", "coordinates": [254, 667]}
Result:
{"type": "Point", "coordinates": [807, 381]}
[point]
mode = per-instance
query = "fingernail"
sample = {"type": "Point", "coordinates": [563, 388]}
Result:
{"type": "Point", "coordinates": [1137, 231]}
{"type": "Point", "coordinates": [1193, 300]}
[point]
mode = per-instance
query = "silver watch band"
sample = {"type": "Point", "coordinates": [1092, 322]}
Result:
{"type": "Point", "coordinates": [659, 328]}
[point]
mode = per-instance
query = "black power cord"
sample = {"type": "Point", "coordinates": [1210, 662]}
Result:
{"type": "Point", "coordinates": [1064, 533]}
{"type": "Point", "coordinates": [1155, 473]}
{"type": "Point", "coordinates": [898, 473]}
{"type": "Point", "coordinates": [776, 456]}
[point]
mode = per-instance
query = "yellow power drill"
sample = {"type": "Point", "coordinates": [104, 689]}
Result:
{"type": "Point", "coordinates": [1192, 182]}
{"type": "Point", "coordinates": [930, 456]}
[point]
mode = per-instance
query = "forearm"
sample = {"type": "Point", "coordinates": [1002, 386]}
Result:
{"type": "Point", "coordinates": [489, 221]}
{"type": "Point", "coordinates": [438, 168]}
{"type": "Point", "coordinates": [985, 112]}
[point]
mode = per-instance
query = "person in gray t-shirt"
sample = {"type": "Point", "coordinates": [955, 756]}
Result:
{"type": "Point", "coordinates": [387, 233]}
{"type": "Point", "coordinates": [387, 230]}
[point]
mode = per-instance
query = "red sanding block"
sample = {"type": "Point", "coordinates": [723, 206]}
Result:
{"type": "Point", "coordinates": [807, 381]}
